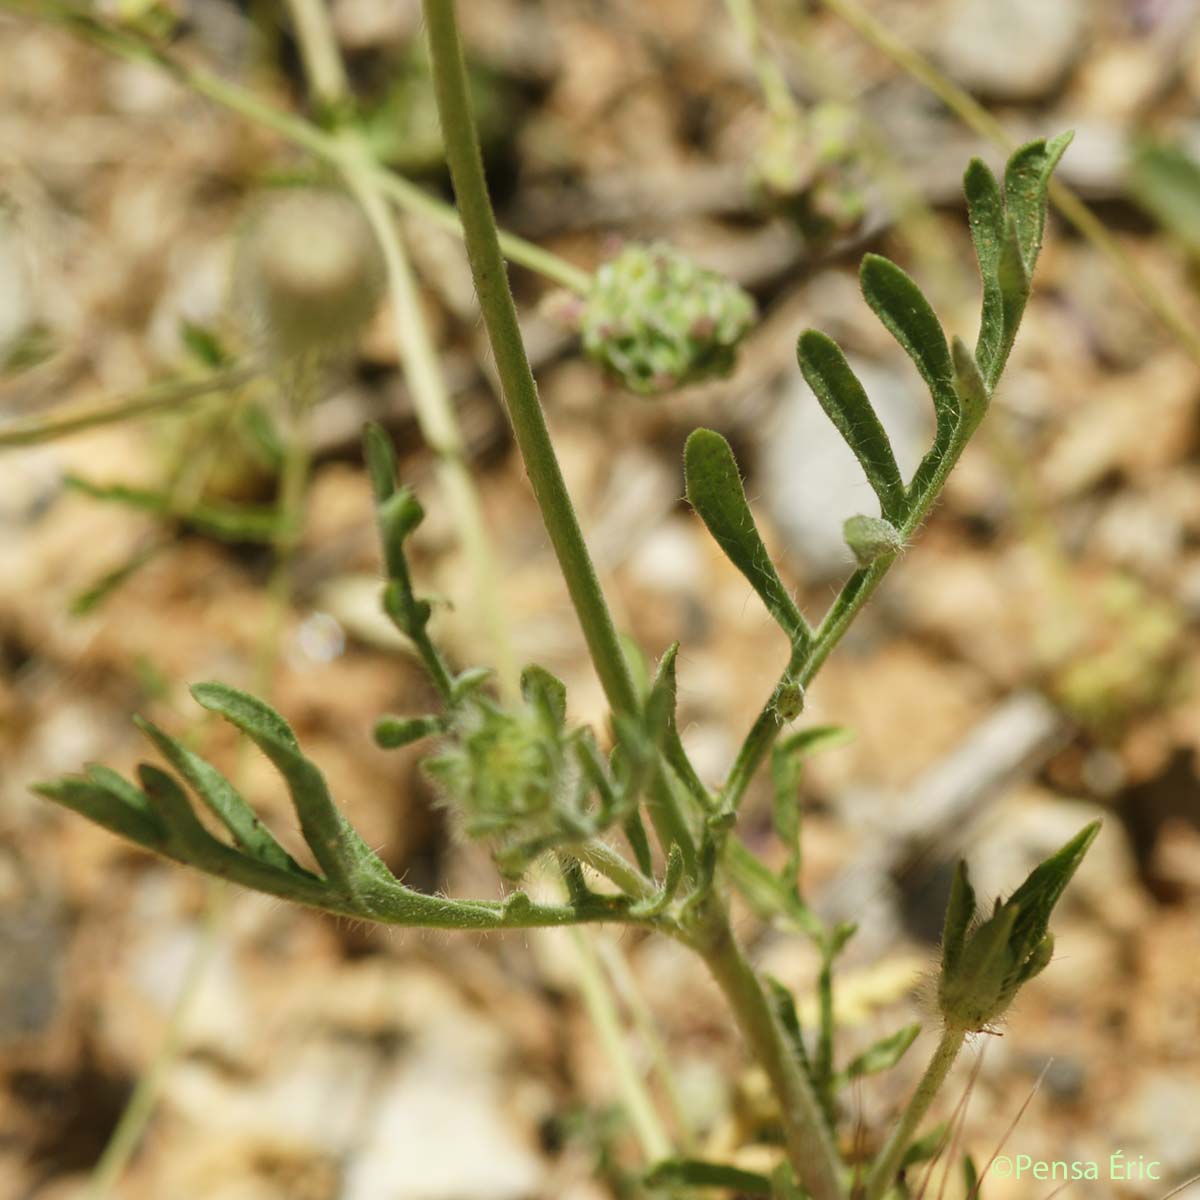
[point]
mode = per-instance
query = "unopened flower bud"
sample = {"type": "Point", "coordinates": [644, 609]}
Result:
{"type": "Point", "coordinates": [985, 963]}
{"type": "Point", "coordinates": [871, 538]}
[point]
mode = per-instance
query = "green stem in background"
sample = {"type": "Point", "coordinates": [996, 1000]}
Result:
{"type": "Point", "coordinates": [599, 1002]}
{"type": "Point", "coordinates": [887, 1165]}
{"type": "Point", "coordinates": [159, 396]}
{"type": "Point", "coordinates": [778, 96]}
{"type": "Point", "coordinates": [127, 1135]}
{"type": "Point", "coordinates": [417, 352]}
{"type": "Point", "coordinates": [626, 986]}
{"type": "Point", "coordinates": [245, 103]}
{"type": "Point", "coordinates": [973, 114]}
{"type": "Point", "coordinates": [810, 1146]}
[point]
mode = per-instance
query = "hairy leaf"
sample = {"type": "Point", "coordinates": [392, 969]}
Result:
{"type": "Point", "coordinates": [222, 799]}
{"type": "Point", "coordinates": [908, 317]}
{"type": "Point", "coordinates": [341, 853]}
{"type": "Point", "coordinates": [714, 490]}
{"type": "Point", "coordinates": [841, 395]}
{"type": "Point", "coordinates": [1026, 179]}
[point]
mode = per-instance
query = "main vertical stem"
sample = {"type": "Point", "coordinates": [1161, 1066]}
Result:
{"type": "Point", "coordinates": [810, 1148]}
{"type": "Point", "coordinates": [521, 398]}
{"type": "Point", "coordinates": [512, 364]}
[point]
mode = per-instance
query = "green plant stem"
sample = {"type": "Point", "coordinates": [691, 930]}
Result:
{"type": "Point", "coordinates": [622, 980]}
{"type": "Point", "coordinates": [155, 398]}
{"type": "Point", "coordinates": [887, 1165]}
{"type": "Point", "coordinates": [810, 1147]}
{"type": "Point", "coordinates": [601, 857]}
{"type": "Point", "coordinates": [418, 354]}
{"type": "Point", "coordinates": [599, 1002]}
{"type": "Point", "coordinates": [778, 96]}
{"type": "Point", "coordinates": [245, 103]}
{"type": "Point", "coordinates": [135, 1116]}
{"type": "Point", "coordinates": [521, 398]}
{"type": "Point", "coordinates": [973, 114]}
{"type": "Point", "coordinates": [808, 659]}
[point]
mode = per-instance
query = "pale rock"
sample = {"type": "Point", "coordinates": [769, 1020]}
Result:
{"type": "Point", "coordinates": [808, 478]}
{"type": "Point", "coordinates": [1019, 51]}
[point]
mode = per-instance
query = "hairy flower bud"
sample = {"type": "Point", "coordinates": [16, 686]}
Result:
{"type": "Point", "coordinates": [985, 963]}
{"type": "Point", "coordinates": [508, 775]}
{"type": "Point", "coordinates": [871, 538]}
{"type": "Point", "coordinates": [659, 321]}
{"type": "Point", "coordinates": [308, 271]}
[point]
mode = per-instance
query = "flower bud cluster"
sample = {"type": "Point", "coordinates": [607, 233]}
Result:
{"type": "Point", "coordinates": [659, 321]}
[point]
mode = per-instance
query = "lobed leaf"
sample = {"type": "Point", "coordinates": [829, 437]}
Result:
{"type": "Point", "coordinates": [340, 852]}
{"type": "Point", "coordinates": [715, 491]}
{"type": "Point", "coordinates": [109, 807]}
{"type": "Point", "coordinates": [841, 395]}
{"type": "Point", "coordinates": [1026, 180]}
{"type": "Point", "coordinates": [909, 318]}
{"type": "Point", "coordinates": [223, 800]}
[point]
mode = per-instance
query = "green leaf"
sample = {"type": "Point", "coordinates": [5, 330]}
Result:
{"type": "Point", "coordinates": [985, 215]}
{"type": "Point", "coordinates": [695, 1172]}
{"type": "Point", "coordinates": [341, 853]}
{"type": "Point", "coordinates": [543, 690]}
{"type": "Point", "coordinates": [187, 839]}
{"type": "Point", "coordinates": [672, 877]}
{"type": "Point", "coordinates": [100, 590]}
{"type": "Point", "coordinates": [973, 394]}
{"type": "Point", "coordinates": [1026, 179]}
{"type": "Point", "coordinates": [222, 799]}
{"type": "Point", "coordinates": [841, 395]}
{"type": "Point", "coordinates": [1042, 890]}
{"type": "Point", "coordinates": [219, 519]}
{"type": "Point", "coordinates": [766, 895]}
{"type": "Point", "coordinates": [970, 1178]}
{"type": "Point", "coordinates": [204, 345]}
{"type": "Point", "coordinates": [871, 539]}
{"type": "Point", "coordinates": [1165, 181]}
{"type": "Point", "coordinates": [960, 912]}
{"type": "Point", "coordinates": [381, 460]}
{"type": "Point", "coordinates": [714, 490]}
{"type": "Point", "coordinates": [927, 1147]}
{"type": "Point", "coordinates": [110, 807]}
{"type": "Point", "coordinates": [908, 317]}
{"type": "Point", "coordinates": [883, 1055]}
{"type": "Point", "coordinates": [393, 732]}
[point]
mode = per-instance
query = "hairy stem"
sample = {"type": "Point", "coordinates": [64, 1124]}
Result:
{"type": "Point", "coordinates": [810, 1147]}
{"type": "Point", "coordinates": [601, 857]}
{"type": "Point", "coordinates": [512, 364]}
{"type": "Point", "coordinates": [887, 1165]}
